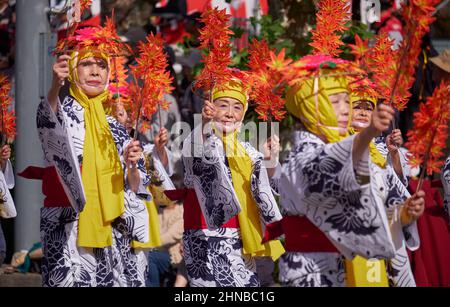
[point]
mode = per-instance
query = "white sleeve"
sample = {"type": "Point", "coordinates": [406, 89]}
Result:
{"type": "Point", "coordinates": [320, 182]}
{"type": "Point", "coordinates": [9, 175]}
{"type": "Point", "coordinates": [7, 208]}
{"type": "Point", "coordinates": [59, 151]}
{"type": "Point", "coordinates": [169, 168]}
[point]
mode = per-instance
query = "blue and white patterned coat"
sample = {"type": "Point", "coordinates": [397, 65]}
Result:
{"type": "Point", "coordinates": [7, 208]}
{"type": "Point", "coordinates": [445, 178]}
{"type": "Point", "coordinates": [64, 262]}
{"type": "Point", "coordinates": [380, 143]}
{"type": "Point", "coordinates": [214, 256]}
{"type": "Point", "coordinates": [320, 181]}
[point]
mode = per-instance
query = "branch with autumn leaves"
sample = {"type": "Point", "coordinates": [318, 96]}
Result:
{"type": "Point", "coordinates": [215, 43]}
{"type": "Point", "coordinates": [427, 139]}
{"type": "Point", "coordinates": [7, 116]}
{"type": "Point", "coordinates": [152, 82]}
{"type": "Point", "coordinates": [270, 73]}
{"type": "Point", "coordinates": [393, 74]}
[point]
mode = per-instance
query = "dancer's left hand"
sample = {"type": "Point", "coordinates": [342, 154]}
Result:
{"type": "Point", "coordinates": [133, 152]}
{"type": "Point", "coordinates": [271, 148]}
{"type": "Point", "coordinates": [394, 140]}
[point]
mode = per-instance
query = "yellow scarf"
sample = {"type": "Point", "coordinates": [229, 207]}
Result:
{"type": "Point", "coordinates": [309, 102]}
{"type": "Point", "coordinates": [241, 168]}
{"type": "Point", "coordinates": [154, 230]}
{"type": "Point", "coordinates": [249, 219]}
{"type": "Point", "coordinates": [102, 173]}
{"type": "Point", "coordinates": [317, 114]}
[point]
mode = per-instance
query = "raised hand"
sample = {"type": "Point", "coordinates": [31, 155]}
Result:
{"type": "Point", "coordinates": [413, 208]}
{"type": "Point", "coordinates": [381, 119]}
{"type": "Point", "coordinates": [271, 148]}
{"type": "Point", "coordinates": [394, 140]}
{"type": "Point", "coordinates": [61, 70]}
{"type": "Point", "coordinates": [208, 111]}
{"type": "Point", "coordinates": [132, 153]}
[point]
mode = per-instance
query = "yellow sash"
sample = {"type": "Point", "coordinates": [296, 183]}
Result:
{"type": "Point", "coordinates": [249, 220]}
{"type": "Point", "coordinates": [154, 230]}
{"type": "Point", "coordinates": [361, 272]}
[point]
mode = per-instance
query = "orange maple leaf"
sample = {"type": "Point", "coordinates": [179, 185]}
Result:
{"type": "Point", "coordinates": [427, 139]}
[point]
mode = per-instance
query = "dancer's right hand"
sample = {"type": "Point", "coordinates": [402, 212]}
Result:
{"type": "Point", "coordinates": [208, 111]}
{"type": "Point", "coordinates": [381, 119]}
{"type": "Point", "coordinates": [5, 153]}
{"type": "Point", "coordinates": [61, 70]}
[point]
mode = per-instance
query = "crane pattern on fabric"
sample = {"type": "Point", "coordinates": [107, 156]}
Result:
{"type": "Point", "coordinates": [206, 170]}
{"type": "Point", "coordinates": [312, 270]}
{"type": "Point", "coordinates": [66, 264]}
{"type": "Point", "coordinates": [317, 173]}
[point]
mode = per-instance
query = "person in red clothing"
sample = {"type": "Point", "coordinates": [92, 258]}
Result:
{"type": "Point", "coordinates": [430, 263]}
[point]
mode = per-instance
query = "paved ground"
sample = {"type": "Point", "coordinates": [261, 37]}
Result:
{"type": "Point", "coordinates": [16, 279]}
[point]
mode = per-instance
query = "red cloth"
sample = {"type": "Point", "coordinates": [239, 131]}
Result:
{"type": "Point", "coordinates": [173, 35]}
{"type": "Point", "coordinates": [273, 231]}
{"type": "Point", "coordinates": [192, 213]}
{"type": "Point", "coordinates": [55, 196]}
{"type": "Point", "coordinates": [431, 262]}
{"type": "Point", "coordinates": [304, 236]}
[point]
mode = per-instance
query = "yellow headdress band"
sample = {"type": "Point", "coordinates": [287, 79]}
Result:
{"type": "Point", "coordinates": [233, 89]}
{"type": "Point", "coordinates": [354, 98]}
{"type": "Point", "coordinates": [309, 102]}
{"type": "Point", "coordinates": [77, 56]}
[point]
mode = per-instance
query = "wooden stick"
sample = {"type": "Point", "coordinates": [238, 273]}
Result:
{"type": "Point", "coordinates": [3, 135]}
{"type": "Point", "coordinates": [159, 117]}
{"type": "Point", "coordinates": [425, 163]}
{"type": "Point", "coordinates": [135, 133]}
{"type": "Point", "coordinates": [138, 114]}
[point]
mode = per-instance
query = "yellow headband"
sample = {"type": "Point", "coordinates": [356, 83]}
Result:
{"type": "Point", "coordinates": [316, 111]}
{"type": "Point", "coordinates": [234, 90]}
{"type": "Point", "coordinates": [77, 56]}
{"type": "Point", "coordinates": [354, 98]}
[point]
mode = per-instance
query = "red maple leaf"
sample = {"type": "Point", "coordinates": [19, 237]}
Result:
{"type": "Point", "coordinates": [215, 39]}
{"type": "Point", "coordinates": [266, 82]}
{"type": "Point", "coordinates": [331, 21]}
{"type": "Point", "coordinates": [360, 48]}
{"type": "Point", "coordinates": [151, 71]}
{"type": "Point", "coordinates": [427, 139]}
{"type": "Point", "coordinates": [7, 116]}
